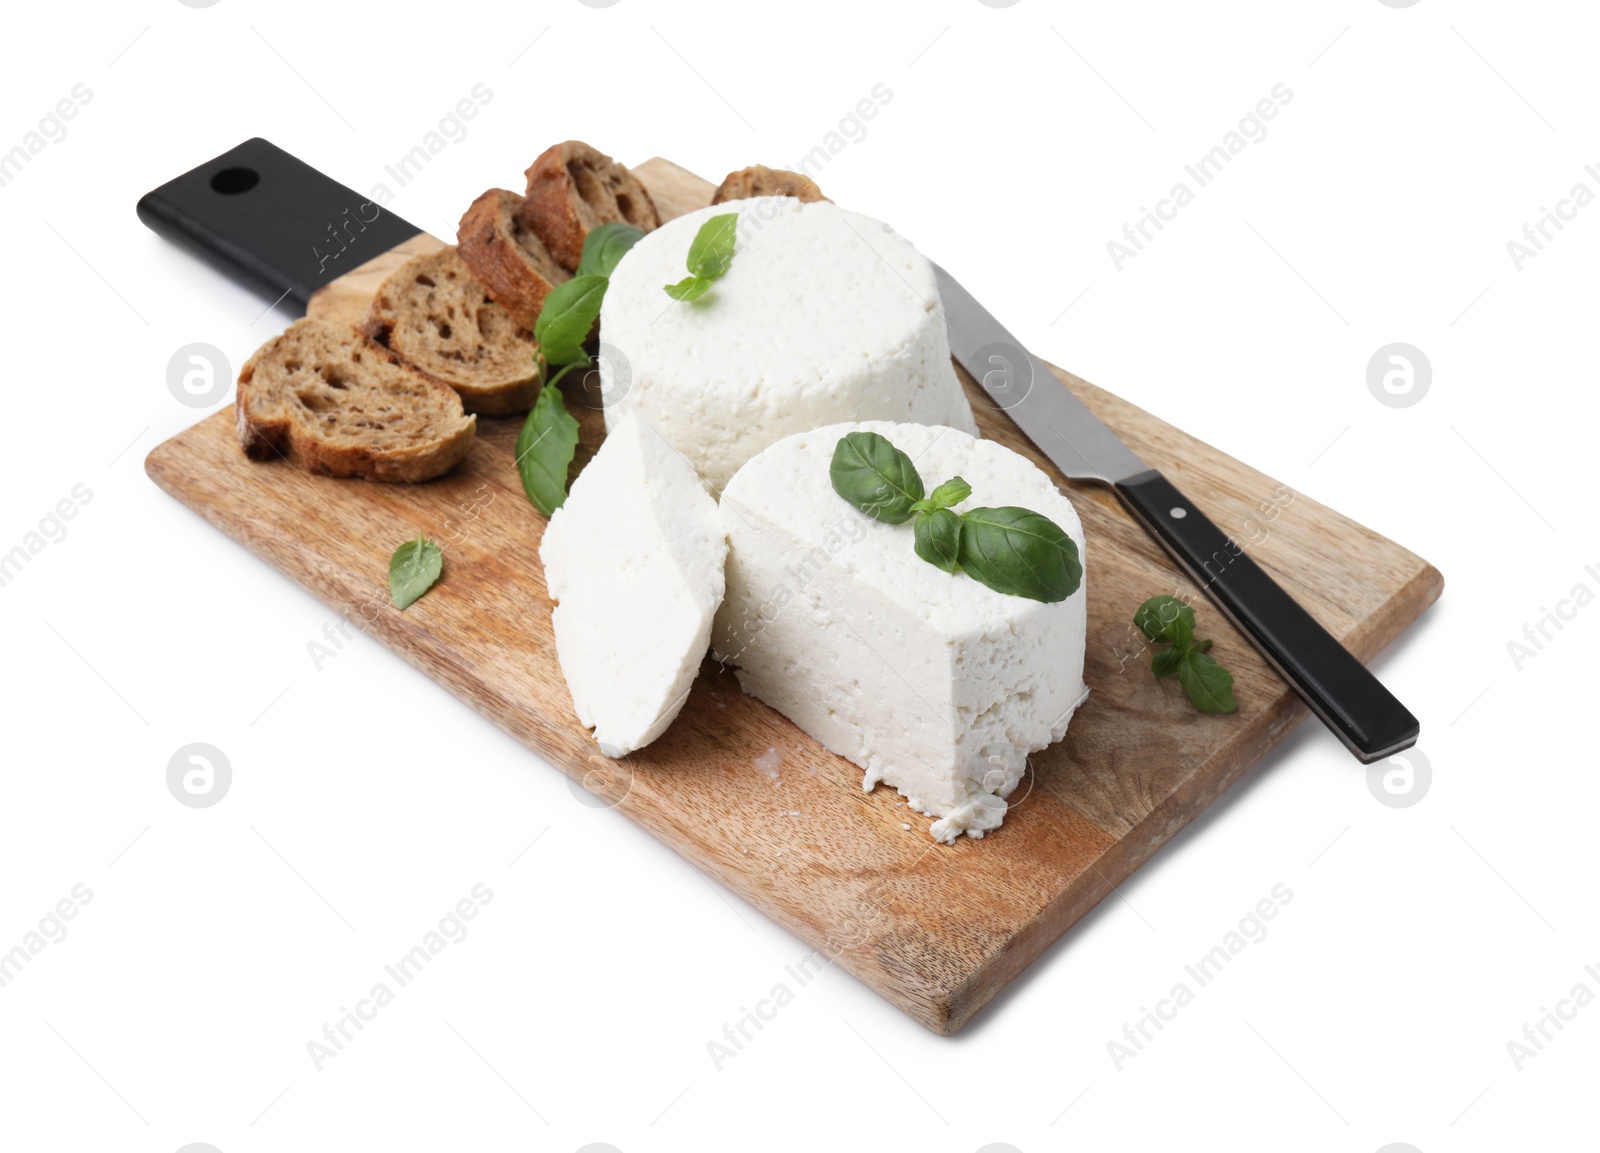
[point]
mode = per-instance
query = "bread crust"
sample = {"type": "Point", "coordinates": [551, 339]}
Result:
{"type": "Point", "coordinates": [759, 180]}
{"type": "Point", "coordinates": [508, 258]}
{"type": "Point", "coordinates": [572, 188]}
{"type": "Point", "coordinates": [273, 421]}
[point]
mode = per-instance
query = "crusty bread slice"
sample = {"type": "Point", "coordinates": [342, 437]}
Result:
{"type": "Point", "coordinates": [507, 257]}
{"type": "Point", "coordinates": [324, 395]}
{"type": "Point", "coordinates": [573, 188]}
{"type": "Point", "coordinates": [433, 312]}
{"type": "Point", "coordinates": [759, 180]}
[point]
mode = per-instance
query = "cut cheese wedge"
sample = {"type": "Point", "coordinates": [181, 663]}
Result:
{"type": "Point", "coordinates": [634, 559]}
{"type": "Point", "coordinates": [928, 681]}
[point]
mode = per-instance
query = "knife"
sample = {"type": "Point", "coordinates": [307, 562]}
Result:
{"type": "Point", "coordinates": [1339, 689]}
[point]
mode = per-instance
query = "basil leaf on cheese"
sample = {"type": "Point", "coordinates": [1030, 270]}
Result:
{"type": "Point", "coordinates": [952, 492]}
{"type": "Point", "coordinates": [710, 255]}
{"type": "Point", "coordinates": [689, 288]}
{"type": "Point", "coordinates": [605, 246]}
{"type": "Point", "coordinates": [1013, 551]}
{"type": "Point", "coordinates": [875, 476]}
{"type": "Point", "coordinates": [413, 569]}
{"type": "Point", "coordinates": [567, 317]}
{"type": "Point", "coordinates": [545, 448]}
{"type": "Point", "coordinates": [938, 539]}
{"type": "Point", "coordinates": [1020, 553]}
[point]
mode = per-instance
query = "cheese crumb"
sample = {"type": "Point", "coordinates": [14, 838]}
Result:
{"type": "Point", "coordinates": [768, 763]}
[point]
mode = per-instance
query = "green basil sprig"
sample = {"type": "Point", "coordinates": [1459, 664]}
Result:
{"type": "Point", "coordinates": [566, 319]}
{"type": "Point", "coordinates": [413, 569]}
{"type": "Point", "coordinates": [1013, 551]}
{"type": "Point", "coordinates": [549, 435]}
{"type": "Point", "coordinates": [710, 255]}
{"type": "Point", "coordinates": [1208, 685]}
{"type": "Point", "coordinates": [605, 246]}
{"type": "Point", "coordinates": [545, 448]}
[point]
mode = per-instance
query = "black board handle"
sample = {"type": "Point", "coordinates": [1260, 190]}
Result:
{"type": "Point", "coordinates": [271, 221]}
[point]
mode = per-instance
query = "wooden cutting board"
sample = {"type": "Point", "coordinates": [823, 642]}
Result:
{"type": "Point", "coordinates": [750, 799]}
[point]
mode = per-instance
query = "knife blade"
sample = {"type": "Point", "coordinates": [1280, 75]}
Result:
{"type": "Point", "coordinates": [1338, 688]}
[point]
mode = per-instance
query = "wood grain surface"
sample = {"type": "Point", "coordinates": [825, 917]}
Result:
{"type": "Point", "coordinates": [938, 930]}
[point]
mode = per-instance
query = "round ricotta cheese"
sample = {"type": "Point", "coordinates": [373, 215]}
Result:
{"type": "Point", "coordinates": [825, 316]}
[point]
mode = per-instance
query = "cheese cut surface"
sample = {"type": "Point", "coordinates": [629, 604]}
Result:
{"type": "Point", "coordinates": [930, 682]}
{"type": "Point", "coordinates": [634, 559]}
{"type": "Point", "coordinates": [825, 316]}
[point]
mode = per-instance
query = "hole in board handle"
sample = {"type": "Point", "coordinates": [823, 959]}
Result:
{"type": "Point", "coordinates": [233, 181]}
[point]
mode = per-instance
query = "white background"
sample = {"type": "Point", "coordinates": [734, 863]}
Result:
{"type": "Point", "coordinates": [366, 801]}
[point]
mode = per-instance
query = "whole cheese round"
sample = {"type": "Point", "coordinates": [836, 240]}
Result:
{"type": "Point", "coordinates": [824, 316]}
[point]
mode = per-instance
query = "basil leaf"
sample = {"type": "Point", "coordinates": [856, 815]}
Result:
{"type": "Point", "coordinates": [1209, 685]}
{"type": "Point", "coordinates": [413, 568]}
{"type": "Point", "coordinates": [711, 254]}
{"type": "Point", "coordinates": [1166, 661]}
{"type": "Point", "coordinates": [938, 539]}
{"type": "Point", "coordinates": [1157, 613]}
{"type": "Point", "coordinates": [605, 246]}
{"type": "Point", "coordinates": [689, 288]}
{"type": "Point", "coordinates": [567, 317]}
{"type": "Point", "coordinates": [951, 492]}
{"type": "Point", "coordinates": [875, 476]}
{"type": "Point", "coordinates": [545, 448]}
{"type": "Point", "coordinates": [1020, 553]}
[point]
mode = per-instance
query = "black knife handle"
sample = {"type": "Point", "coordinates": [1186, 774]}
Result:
{"type": "Point", "coordinates": [1339, 688]}
{"type": "Point", "coordinates": [271, 221]}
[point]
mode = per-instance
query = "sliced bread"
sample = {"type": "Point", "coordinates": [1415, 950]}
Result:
{"type": "Point", "coordinates": [573, 188]}
{"type": "Point", "coordinates": [759, 180]}
{"type": "Point", "coordinates": [433, 312]}
{"type": "Point", "coordinates": [327, 397]}
{"type": "Point", "coordinates": [507, 257]}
